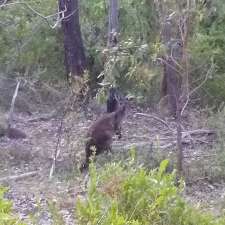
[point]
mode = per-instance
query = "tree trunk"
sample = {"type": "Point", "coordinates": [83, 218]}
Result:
{"type": "Point", "coordinates": [75, 60]}
{"type": "Point", "coordinates": [172, 85]}
{"type": "Point", "coordinates": [113, 23]}
{"type": "Point", "coordinates": [172, 73]}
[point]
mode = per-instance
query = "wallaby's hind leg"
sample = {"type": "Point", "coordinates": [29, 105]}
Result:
{"type": "Point", "coordinates": [119, 132]}
{"type": "Point", "coordinates": [88, 154]}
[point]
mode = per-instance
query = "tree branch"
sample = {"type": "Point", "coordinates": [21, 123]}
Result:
{"type": "Point", "coordinates": [10, 117]}
{"type": "Point", "coordinates": [59, 19]}
{"type": "Point", "coordinates": [156, 118]}
{"type": "Point", "coordinates": [198, 87]}
{"type": "Point", "coordinates": [18, 177]}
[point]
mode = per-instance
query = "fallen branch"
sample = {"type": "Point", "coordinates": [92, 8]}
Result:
{"type": "Point", "coordinates": [199, 156]}
{"type": "Point", "coordinates": [44, 117]}
{"type": "Point", "coordinates": [156, 118]}
{"type": "Point", "coordinates": [196, 132]}
{"type": "Point", "coordinates": [144, 144]}
{"type": "Point", "coordinates": [18, 177]}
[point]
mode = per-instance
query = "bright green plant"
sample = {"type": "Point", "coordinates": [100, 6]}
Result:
{"type": "Point", "coordinates": [6, 215]}
{"type": "Point", "coordinates": [122, 195]}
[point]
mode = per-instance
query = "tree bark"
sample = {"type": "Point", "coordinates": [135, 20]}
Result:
{"type": "Point", "coordinates": [172, 85]}
{"type": "Point", "coordinates": [113, 23]}
{"type": "Point", "coordinates": [75, 60]}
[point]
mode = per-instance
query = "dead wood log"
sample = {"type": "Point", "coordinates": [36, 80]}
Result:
{"type": "Point", "coordinates": [18, 177]}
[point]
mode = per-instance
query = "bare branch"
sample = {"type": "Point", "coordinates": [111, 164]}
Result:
{"type": "Point", "coordinates": [172, 67]}
{"type": "Point", "coordinates": [57, 150]}
{"type": "Point", "coordinates": [198, 87]}
{"type": "Point", "coordinates": [156, 118]}
{"type": "Point", "coordinates": [59, 13]}
{"type": "Point", "coordinates": [206, 78]}
{"type": "Point", "coordinates": [10, 117]}
{"type": "Point", "coordinates": [18, 177]}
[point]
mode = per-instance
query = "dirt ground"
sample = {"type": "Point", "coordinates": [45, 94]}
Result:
{"type": "Point", "coordinates": [30, 195]}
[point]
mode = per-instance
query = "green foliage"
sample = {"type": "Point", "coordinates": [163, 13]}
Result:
{"type": "Point", "coordinates": [217, 122]}
{"type": "Point", "coordinates": [130, 195]}
{"type": "Point", "coordinates": [139, 20]}
{"type": "Point", "coordinates": [28, 46]}
{"type": "Point", "coordinates": [55, 214]}
{"type": "Point", "coordinates": [6, 216]}
{"type": "Point", "coordinates": [207, 47]}
{"type": "Point", "coordinates": [130, 66]}
{"type": "Point", "coordinates": [131, 69]}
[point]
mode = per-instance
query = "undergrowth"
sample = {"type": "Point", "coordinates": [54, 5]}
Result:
{"type": "Point", "coordinates": [6, 215]}
{"type": "Point", "coordinates": [217, 122]}
{"type": "Point", "coordinates": [121, 194]}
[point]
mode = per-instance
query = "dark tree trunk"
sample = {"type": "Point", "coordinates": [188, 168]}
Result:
{"type": "Point", "coordinates": [75, 60]}
{"type": "Point", "coordinates": [172, 78]}
{"type": "Point", "coordinates": [171, 84]}
{"type": "Point", "coordinates": [113, 23]}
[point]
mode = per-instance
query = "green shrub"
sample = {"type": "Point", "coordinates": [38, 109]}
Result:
{"type": "Point", "coordinates": [29, 47]}
{"type": "Point", "coordinates": [122, 195]}
{"type": "Point", "coordinates": [217, 122]}
{"type": "Point", "coordinates": [6, 216]}
{"type": "Point", "coordinates": [130, 67]}
{"type": "Point", "coordinates": [208, 48]}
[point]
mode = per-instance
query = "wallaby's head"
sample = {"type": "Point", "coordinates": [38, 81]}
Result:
{"type": "Point", "coordinates": [113, 93]}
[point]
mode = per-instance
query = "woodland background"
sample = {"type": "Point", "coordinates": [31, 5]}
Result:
{"type": "Point", "coordinates": [63, 56]}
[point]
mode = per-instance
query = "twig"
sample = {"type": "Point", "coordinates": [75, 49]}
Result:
{"type": "Point", "coordinates": [156, 118]}
{"type": "Point", "coordinates": [18, 177]}
{"type": "Point", "coordinates": [199, 156]}
{"type": "Point", "coordinates": [196, 88]}
{"type": "Point", "coordinates": [42, 16]}
{"type": "Point", "coordinates": [172, 67]}
{"type": "Point", "coordinates": [57, 150]}
{"type": "Point", "coordinates": [44, 117]}
{"type": "Point", "coordinates": [10, 117]}
{"type": "Point", "coordinates": [196, 132]}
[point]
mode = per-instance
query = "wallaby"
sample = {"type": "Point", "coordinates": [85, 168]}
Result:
{"type": "Point", "coordinates": [14, 133]}
{"type": "Point", "coordinates": [113, 100]}
{"type": "Point", "coordinates": [113, 103]}
{"type": "Point", "coordinates": [101, 132]}
{"type": "Point", "coordinates": [10, 132]}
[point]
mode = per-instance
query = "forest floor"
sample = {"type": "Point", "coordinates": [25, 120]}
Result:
{"type": "Point", "coordinates": [31, 195]}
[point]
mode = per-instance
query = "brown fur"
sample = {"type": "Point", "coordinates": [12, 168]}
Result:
{"type": "Point", "coordinates": [14, 133]}
{"type": "Point", "coordinates": [113, 104]}
{"type": "Point", "coordinates": [101, 132]}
